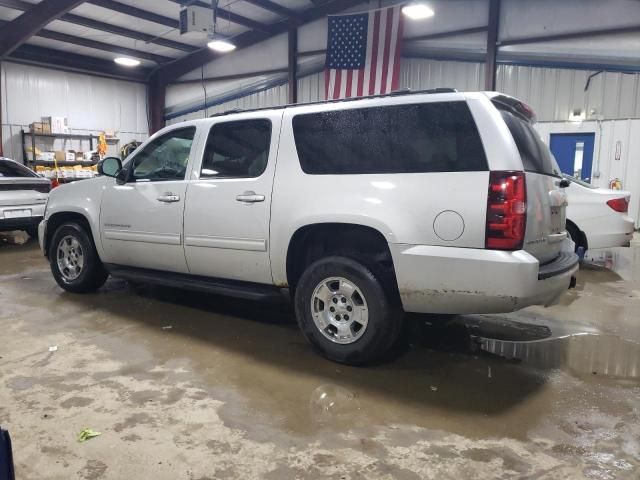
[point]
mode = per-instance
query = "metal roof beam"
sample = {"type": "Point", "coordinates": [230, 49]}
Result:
{"type": "Point", "coordinates": [274, 7]}
{"type": "Point", "coordinates": [59, 60]}
{"type": "Point", "coordinates": [570, 35]}
{"type": "Point", "coordinates": [227, 14]}
{"type": "Point", "coordinates": [85, 42]}
{"type": "Point", "coordinates": [102, 26]}
{"type": "Point", "coordinates": [186, 64]}
{"type": "Point", "coordinates": [136, 12]}
{"type": "Point", "coordinates": [18, 31]}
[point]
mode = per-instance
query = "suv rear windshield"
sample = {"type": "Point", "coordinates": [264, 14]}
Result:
{"type": "Point", "coordinates": [11, 169]}
{"type": "Point", "coordinates": [536, 156]}
{"type": "Point", "coordinates": [428, 137]}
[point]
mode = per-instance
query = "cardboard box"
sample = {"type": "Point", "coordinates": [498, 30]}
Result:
{"type": "Point", "coordinates": [47, 156]}
{"type": "Point", "coordinates": [60, 155]}
{"type": "Point", "coordinates": [59, 125]}
{"type": "Point", "coordinates": [46, 121]}
{"type": "Point", "coordinates": [70, 156]}
{"type": "Point", "coordinates": [79, 155]}
{"type": "Point", "coordinates": [39, 127]}
{"type": "Point", "coordinates": [56, 124]}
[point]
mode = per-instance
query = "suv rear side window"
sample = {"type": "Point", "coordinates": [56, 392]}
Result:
{"type": "Point", "coordinates": [10, 169]}
{"type": "Point", "coordinates": [427, 137]}
{"type": "Point", "coordinates": [237, 149]}
{"type": "Point", "coordinates": [536, 156]}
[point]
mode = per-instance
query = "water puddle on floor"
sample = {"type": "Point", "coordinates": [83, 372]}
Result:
{"type": "Point", "coordinates": [538, 342]}
{"type": "Point", "coordinates": [581, 354]}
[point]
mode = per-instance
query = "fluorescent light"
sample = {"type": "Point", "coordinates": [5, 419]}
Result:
{"type": "Point", "coordinates": [417, 11]}
{"type": "Point", "coordinates": [221, 46]}
{"type": "Point", "coordinates": [127, 62]}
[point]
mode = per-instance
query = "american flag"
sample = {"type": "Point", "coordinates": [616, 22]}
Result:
{"type": "Point", "coordinates": [363, 53]}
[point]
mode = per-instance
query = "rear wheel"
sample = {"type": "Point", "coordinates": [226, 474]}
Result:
{"type": "Point", "coordinates": [345, 312]}
{"type": "Point", "coordinates": [575, 235]}
{"type": "Point", "coordinates": [74, 261]}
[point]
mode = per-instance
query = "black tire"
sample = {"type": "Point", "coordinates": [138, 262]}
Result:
{"type": "Point", "coordinates": [32, 232]}
{"type": "Point", "coordinates": [385, 315]}
{"type": "Point", "coordinates": [575, 235]}
{"type": "Point", "coordinates": [93, 274]}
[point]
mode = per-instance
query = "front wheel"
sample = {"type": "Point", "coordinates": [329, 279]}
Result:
{"type": "Point", "coordinates": [345, 312]}
{"type": "Point", "coordinates": [74, 261]}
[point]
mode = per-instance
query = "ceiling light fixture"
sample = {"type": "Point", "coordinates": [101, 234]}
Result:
{"type": "Point", "coordinates": [127, 61]}
{"type": "Point", "coordinates": [222, 46]}
{"type": "Point", "coordinates": [417, 11]}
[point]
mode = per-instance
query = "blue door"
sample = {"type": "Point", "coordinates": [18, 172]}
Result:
{"type": "Point", "coordinates": [574, 153]}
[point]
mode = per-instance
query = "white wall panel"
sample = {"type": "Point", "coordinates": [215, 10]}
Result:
{"type": "Point", "coordinates": [605, 166]}
{"type": "Point", "coordinates": [420, 74]}
{"type": "Point", "coordinates": [268, 98]}
{"type": "Point", "coordinates": [554, 93]}
{"type": "Point", "coordinates": [91, 104]}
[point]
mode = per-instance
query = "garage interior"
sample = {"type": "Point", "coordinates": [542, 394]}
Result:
{"type": "Point", "coordinates": [196, 386]}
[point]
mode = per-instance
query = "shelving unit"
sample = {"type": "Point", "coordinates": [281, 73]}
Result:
{"type": "Point", "coordinates": [30, 138]}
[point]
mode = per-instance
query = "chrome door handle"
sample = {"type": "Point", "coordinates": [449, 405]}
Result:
{"type": "Point", "coordinates": [169, 198]}
{"type": "Point", "coordinates": [250, 197]}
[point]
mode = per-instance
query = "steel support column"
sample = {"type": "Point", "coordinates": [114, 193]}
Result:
{"type": "Point", "coordinates": [1, 87]}
{"type": "Point", "coordinates": [292, 69]}
{"type": "Point", "coordinates": [492, 45]}
{"type": "Point", "coordinates": [156, 92]}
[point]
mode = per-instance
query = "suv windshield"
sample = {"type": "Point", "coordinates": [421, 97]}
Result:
{"type": "Point", "coordinates": [536, 156]}
{"type": "Point", "coordinates": [12, 169]}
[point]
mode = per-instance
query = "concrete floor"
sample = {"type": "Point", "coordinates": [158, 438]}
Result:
{"type": "Point", "coordinates": [190, 386]}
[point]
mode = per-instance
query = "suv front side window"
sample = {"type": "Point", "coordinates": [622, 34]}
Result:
{"type": "Point", "coordinates": [237, 149]}
{"type": "Point", "coordinates": [165, 158]}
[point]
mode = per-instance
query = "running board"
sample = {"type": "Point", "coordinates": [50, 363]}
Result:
{"type": "Point", "coordinates": [229, 288]}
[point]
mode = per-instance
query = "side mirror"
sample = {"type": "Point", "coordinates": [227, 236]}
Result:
{"type": "Point", "coordinates": [121, 177]}
{"type": "Point", "coordinates": [110, 166]}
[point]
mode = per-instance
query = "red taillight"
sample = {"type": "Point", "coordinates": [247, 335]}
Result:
{"type": "Point", "coordinates": [506, 211]}
{"type": "Point", "coordinates": [54, 183]}
{"type": "Point", "coordinates": [619, 204]}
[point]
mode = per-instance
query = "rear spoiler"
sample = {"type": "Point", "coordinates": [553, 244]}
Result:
{"type": "Point", "coordinates": [515, 106]}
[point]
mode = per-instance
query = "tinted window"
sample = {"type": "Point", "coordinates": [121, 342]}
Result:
{"type": "Point", "coordinates": [165, 158]}
{"type": "Point", "coordinates": [237, 149]}
{"type": "Point", "coordinates": [11, 169]}
{"type": "Point", "coordinates": [431, 137]}
{"type": "Point", "coordinates": [536, 156]}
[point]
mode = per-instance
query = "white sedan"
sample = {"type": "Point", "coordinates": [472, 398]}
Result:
{"type": "Point", "coordinates": [598, 217]}
{"type": "Point", "coordinates": [23, 196]}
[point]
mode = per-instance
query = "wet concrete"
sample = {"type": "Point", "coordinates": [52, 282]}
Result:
{"type": "Point", "coordinates": [185, 385]}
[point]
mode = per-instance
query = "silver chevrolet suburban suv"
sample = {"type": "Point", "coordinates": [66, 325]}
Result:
{"type": "Point", "coordinates": [360, 210]}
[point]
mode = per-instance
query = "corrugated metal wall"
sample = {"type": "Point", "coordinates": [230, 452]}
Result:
{"type": "Point", "coordinates": [419, 74]}
{"type": "Point", "coordinates": [553, 93]}
{"type": "Point", "coordinates": [91, 104]}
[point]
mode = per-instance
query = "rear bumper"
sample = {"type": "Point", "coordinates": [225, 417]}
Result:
{"type": "Point", "coordinates": [18, 223]}
{"type": "Point", "coordinates": [464, 280]}
{"type": "Point", "coordinates": [614, 237]}
{"type": "Point", "coordinates": [8, 224]}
